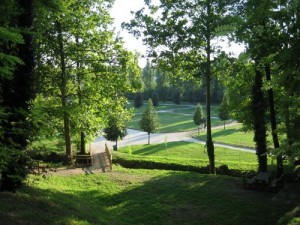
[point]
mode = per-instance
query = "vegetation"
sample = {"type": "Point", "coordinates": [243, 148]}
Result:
{"type": "Point", "coordinates": [198, 117]}
{"type": "Point", "coordinates": [188, 154]}
{"type": "Point", "coordinates": [116, 128]}
{"type": "Point", "coordinates": [233, 135]}
{"type": "Point", "coordinates": [166, 197]}
{"type": "Point", "coordinates": [149, 122]}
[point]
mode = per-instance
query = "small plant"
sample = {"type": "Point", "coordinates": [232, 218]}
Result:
{"type": "Point", "coordinates": [129, 150]}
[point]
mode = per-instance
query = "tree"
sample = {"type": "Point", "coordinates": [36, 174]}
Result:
{"type": "Point", "coordinates": [148, 76]}
{"type": "Point", "coordinates": [155, 99]}
{"type": "Point", "coordinates": [181, 38]}
{"type": "Point", "coordinates": [115, 129]}
{"type": "Point", "coordinates": [224, 111]}
{"type": "Point", "coordinates": [198, 116]}
{"type": "Point", "coordinates": [16, 89]}
{"type": "Point", "coordinates": [177, 96]}
{"type": "Point", "coordinates": [83, 68]}
{"type": "Point", "coordinates": [138, 101]}
{"type": "Point", "coordinates": [149, 122]}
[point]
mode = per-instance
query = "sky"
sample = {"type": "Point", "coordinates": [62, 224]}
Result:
{"type": "Point", "coordinates": [121, 12]}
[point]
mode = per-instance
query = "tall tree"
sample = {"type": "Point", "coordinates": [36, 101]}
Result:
{"type": "Point", "coordinates": [16, 88]}
{"type": "Point", "coordinates": [181, 34]}
{"type": "Point", "coordinates": [88, 70]}
{"type": "Point", "coordinates": [149, 122]}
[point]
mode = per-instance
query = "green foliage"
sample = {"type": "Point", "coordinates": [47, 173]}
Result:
{"type": "Point", "coordinates": [138, 101]}
{"type": "Point", "coordinates": [198, 115]}
{"type": "Point", "coordinates": [81, 91]}
{"type": "Point", "coordinates": [149, 122]}
{"type": "Point", "coordinates": [155, 99]}
{"type": "Point", "coordinates": [116, 128]}
{"type": "Point", "coordinates": [177, 96]}
{"type": "Point", "coordinates": [224, 110]}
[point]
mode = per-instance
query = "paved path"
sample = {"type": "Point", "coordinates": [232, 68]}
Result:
{"type": "Point", "coordinates": [135, 137]}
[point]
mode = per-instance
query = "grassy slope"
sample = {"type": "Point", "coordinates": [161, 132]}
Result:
{"type": "Point", "coordinates": [193, 154]}
{"type": "Point", "coordinates": [126, 197]}
{"type": "Point", "coordinates": [233, 135]}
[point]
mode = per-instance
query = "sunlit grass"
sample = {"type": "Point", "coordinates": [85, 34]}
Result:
{"type": "Point", "coordinates": [233, 135]}
{"type": "Point", "coordinates": [174, 118]}
{"type": "Point", "coordinates": [126, 197]}
{"type": "Point", "coordinates": [191, 154]}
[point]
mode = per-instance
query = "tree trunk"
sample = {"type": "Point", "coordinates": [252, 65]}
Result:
{"type": "Point", "coordinates": [224, 124]}
{"type": "Point", "coordinates": [274, 122]}
{"type": "Point", "coordinates": [63, 90]}
{"type": "Point", "coordinates": [209, 142]}
{"type": "Point", "coordinates": [117, 145]}
{"type": "Point", "coordinates": [258, 111]}
{"type": "Point", "coordinates": [82, 143]}
{"type": "Point", "coordinates": [18, 91]}
{"type": "Point", "coordinates": [79, 93]}
{"type": "Point", "coordinates": [148, 138]}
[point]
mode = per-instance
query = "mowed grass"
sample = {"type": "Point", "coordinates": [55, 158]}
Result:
{"type": "Point", "coordinates": [233, 135]}
{"type": "Point", "coordinates": [190, 154]}
{"type": "Point", "coordinates": [145, 197]}
{"type": "Point", "coordinates": [174, 118]}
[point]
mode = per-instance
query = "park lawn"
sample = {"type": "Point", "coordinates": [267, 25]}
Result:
{"type": "Point", "coordinates": [171, 122]}
{"type": "Point", "coordinates": [232, 135]}
{"type": "Point", "coordinates": [190, 154]}
{"type": "Point", "coordinates": [146, 197]}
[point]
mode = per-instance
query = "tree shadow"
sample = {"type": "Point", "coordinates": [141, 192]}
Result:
{"type": "Point", "coordinates": [166, 198]}
{"type": "Point", "coordinates": [152, 149]}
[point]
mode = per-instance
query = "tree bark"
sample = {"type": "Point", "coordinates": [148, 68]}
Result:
{"type": "Point", "coordinates": [18, 91]}
{"type": "Point", "coordinates": [274, 122]}
{"type": "Point", "coordinates": [258, 111]}
{"type": "Point", "coordinates": [209, 142]}
{"type": "Point", "coordinates": [63, 90]}
{"type": "Point", "coordinates": [148, 138]}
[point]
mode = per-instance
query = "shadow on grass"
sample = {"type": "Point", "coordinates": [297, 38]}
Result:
{"type": "Point", "coordinates": [171, 198]}
{"type": "Point", "coordinates": [226, 132]}
{"type": "Point", "coordinates": [152, 149]}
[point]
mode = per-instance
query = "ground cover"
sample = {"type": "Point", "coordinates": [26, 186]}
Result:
{"type": "Point", "coordinates": [126, 197]}
{"type": "Point", "coordinates": [174, 118]}
{"type": "Point", "coordinates": [190, 154]}
{"type": "Point", "coordinates": [232, 135]}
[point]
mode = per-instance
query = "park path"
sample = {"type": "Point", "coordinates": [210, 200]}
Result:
{"type": "Point", "coordinates": [135, 137]}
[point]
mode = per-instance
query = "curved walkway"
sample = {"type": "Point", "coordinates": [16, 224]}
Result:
{"type": "Point", "coordinates": [135, 137]}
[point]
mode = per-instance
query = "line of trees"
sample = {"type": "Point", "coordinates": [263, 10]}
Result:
{"type": "Point", "coordinates": [161, 86]}
{"type": "Point", "coordinates": [64, 74]}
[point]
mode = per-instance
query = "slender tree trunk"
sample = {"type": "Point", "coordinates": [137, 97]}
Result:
{"type": "Point", "coordinates": [63, 90]}
{"type": "Point", "coordinates": [274, 122]}
{"type": "Point", "coordinates": [258, 111]}
{"type": "Point", "coordinates": [209, 142]}
{"type": "Point", "coordinates": [148, 138]}
{"type": "Point", "coordinates": [79, 93]}
{"type": "Point", "coordinates": [116, 144]}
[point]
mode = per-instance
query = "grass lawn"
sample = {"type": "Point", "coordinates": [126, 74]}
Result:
{"type": "Point", "coordinates": [145, 197]}
{"type": "Point", "coordinates": [190, 154]}
{"type": "Point", "coordinates": [233, 135]}
{"type": "Point", "coordinates": [174, 118]}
